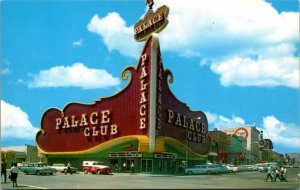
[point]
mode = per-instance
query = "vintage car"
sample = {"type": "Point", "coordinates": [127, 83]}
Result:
{"type": "Point", "coordinates": [221, 168]}
{"type": "Point", "coordinates": [36, 168]}
{"type": "Point", "coordinates": [62, 168]}
{"type": "Point", "coordinates": [95, 167]}
{"type": "Point", "coordinates": [232, 168]}
{"type": "Point", "coordinates": [251, 167]}
{"type": "Point", "coordinates": [202, 169]}
{"type": "Point", "coordinates": [262, 167]}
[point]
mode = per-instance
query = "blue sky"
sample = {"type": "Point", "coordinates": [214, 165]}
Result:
{"type": "Point", "coordinates": [238, 61]}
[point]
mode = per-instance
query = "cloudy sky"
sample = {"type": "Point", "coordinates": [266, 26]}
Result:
{"type": "Point", "coordinates": [238, 61]}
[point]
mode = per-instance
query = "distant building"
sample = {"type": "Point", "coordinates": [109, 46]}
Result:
{"type": "Point", "coordinates": [218, 147]}
{"type": "Point", "coordinates": [236, 149]}
{"type": "Point", "coordinates": [251, 135]}
{"type": "Point", "coordinates": [20, 154]}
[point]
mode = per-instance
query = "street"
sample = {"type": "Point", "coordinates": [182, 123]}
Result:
{"type": "Point", "coordinates": [243, 180]}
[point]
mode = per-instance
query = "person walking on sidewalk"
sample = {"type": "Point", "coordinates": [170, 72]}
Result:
{"type": "Point", "coordinates": [3, 169]}
{"type": "Point", "coordinates": [284, 174]}
{"type": "Point", "coordinates": [124, 167]}
{"type": "Point", "coordinates": [132, 167]}
{"type": "Point", "coordinates": [269, 175]}
{"type": "Point", "coordinates": [68, 170]}
{"type": "Point", "coordinates": [277, 172]}
{"type": "Point", "coordinates": [14, 174]}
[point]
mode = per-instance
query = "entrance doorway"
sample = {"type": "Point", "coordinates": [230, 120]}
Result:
{"type": "Point", "coordinates": [147, 166]}
{"type": "Point", "coordinates": [128, 164]}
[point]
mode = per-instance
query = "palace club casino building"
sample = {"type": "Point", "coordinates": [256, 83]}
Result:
{"type": "Point", "coordinates": [144, 123]}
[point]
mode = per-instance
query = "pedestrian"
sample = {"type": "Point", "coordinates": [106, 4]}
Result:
{"type": "Point", "coordinates": [124, 167]}
{"type": "Point", "coordinates": [68, 170]}
{"type": "Point", "coordinates": [3, 169]}
{"type": "Point", "coordinates": [284, 174]}
{"type": "Point", "coordinates": [277, 174]}
{"type": "Point", "coordinates": [117, 167]}
{"type": "Point", "coordinates": [132, 167]}
{"type": "Point", "coordinates": [269, 175]}
{"type": "Point", "coordinates": [14, 174]}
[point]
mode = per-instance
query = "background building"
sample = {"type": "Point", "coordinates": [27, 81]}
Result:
{"type": "Point", "coordinates": [251, 135]}
{"type": "Point", "coordinates": [218, 148]}
{"type": "Point", "coordinates": [236, 149]}
{"type": "Point", "coordinates": [20, 154]}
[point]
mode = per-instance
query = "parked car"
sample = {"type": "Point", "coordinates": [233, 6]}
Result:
{"type": "Point", "coordinates": [232, 168]}
{"type": "Point", "coordinates": [221, 168]}
{"type": "Point", "coordinates": [202, 169]}
{"type": "Point", "coordinates": [95, 167]}
{"type": "Point", "coordinates": [62, 168]}
{"type": "Point", "coordinates": [262, 167]}
{"type": "Point", "coordinates": [242, 168]}
{"type": "Point", "coordinates": [38, 169]}
{"type": "Point", "coordinates": [251, 167]}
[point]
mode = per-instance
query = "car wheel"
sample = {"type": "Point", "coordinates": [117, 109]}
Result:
{"type": "Point", "coordinates": [38, 173]}
{"type": "Point", "coordinates": [208, 172]}
{"type": "Point", "coordinates": [190, 172]}
{"type": "Point", "coordinates": [51, 173]}
{"type": "Point", "coordinates": [26, 173]}
{"type": "Point", "coordinates": [98, 172]}
{"type": "Point", "coordinates": [85, 171]}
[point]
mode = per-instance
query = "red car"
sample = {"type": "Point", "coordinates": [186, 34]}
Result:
{"type": "Point", "coordinates": [95, 167]}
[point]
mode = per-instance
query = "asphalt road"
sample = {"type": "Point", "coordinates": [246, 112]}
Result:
{"type": "Point", "coordinates": [243, 180]}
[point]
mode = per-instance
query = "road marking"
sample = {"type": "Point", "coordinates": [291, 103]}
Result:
{"type": "Point", "coordinates": [37, 187]}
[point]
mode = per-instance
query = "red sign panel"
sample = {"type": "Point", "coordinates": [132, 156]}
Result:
{"type": "Point", "coordinates": [79, 127]}
{"type": "Point", "coordinates": [146, 107]}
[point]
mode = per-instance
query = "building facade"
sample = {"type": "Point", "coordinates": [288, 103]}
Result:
{"type": "Point", "coordinates": [251, 135]}
{"type": "Point", "coordinates": [236, 149]}
{"type": "Point", "coordinates": [218, 153]}
{"type": "Point", "coordinates": [144, 123]}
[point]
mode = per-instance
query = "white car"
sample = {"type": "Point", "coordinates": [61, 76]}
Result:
{"type": "Point", "coordinates": [251, 167]}
{"type": "Point", "coordinates": [262, 167]}
{"type": "Point", "coordinates": [62, 168]}
{"type": "Point", "coordinates": [232, 168]}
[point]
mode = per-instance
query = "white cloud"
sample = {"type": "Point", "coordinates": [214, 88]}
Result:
{"type": "Point", "coordinates": [240, 71]}
{"type": "Point", "coordinates": [15, 123]}
{"type": "Point", "coordinates": [220, 122]}
{"type": "Point", "coordinates": [286, 134]}
{"type": "Point", "coordinates": [77, 43]}
{"type": "Point", "coordinates": [76, 75]}
{"type": "Point", "coordinates": [233, 36]}
{"type": "Point", "coordinates": [116, 35]}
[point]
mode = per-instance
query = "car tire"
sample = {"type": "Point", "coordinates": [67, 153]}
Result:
{"type": "Point", "coordinates": [98, 172]}
{"type": "Point", "coordinates": [51, 173]}
{"type": "Point", "coordinates": [208, 172]}
{"type": "Point", "coordinates": [38, 173]}
{"type": "Point", "coordinates": [26, 173]}
{"type": "Point", "coordinates": [85, 171]}
{"type": "Point", "coordinates": [190, 173]}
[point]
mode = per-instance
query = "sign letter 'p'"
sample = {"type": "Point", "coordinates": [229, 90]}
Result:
{"type": "Point", "coordinates": [58, 123]}
{"type": "Point", "coordinates": [170, 115]}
